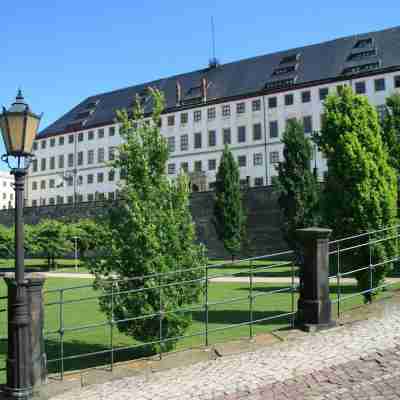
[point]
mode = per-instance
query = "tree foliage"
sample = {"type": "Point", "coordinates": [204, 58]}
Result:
{"type": "Point", "coordinates": [297, 186]}
{"type": "Point", "coordinates": [361, 188]}
{"type": "Point", "coordinates": [391, 130]}
{"type": "Point", "coordinates": [151, 232]}
{"type": "Point", "coordinates": [229, 216]}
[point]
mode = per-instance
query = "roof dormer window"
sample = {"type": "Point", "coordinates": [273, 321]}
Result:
{"type": "Point", "coordinates": [363, 43]}
{"type": "Point", "coordinates": [290, 58]}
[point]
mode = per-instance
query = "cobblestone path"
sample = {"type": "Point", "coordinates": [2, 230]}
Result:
{"type": "Point", "coordinates": [356, 361]}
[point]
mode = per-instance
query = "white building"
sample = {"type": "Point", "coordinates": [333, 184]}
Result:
{"type": "Point", "coordinates": [245, 104]}
{"type": "Point", "coordinates": [6, 190]}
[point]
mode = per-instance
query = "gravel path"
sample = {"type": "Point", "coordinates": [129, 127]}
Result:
{"type": "Point", "coordinates": [355, 361]}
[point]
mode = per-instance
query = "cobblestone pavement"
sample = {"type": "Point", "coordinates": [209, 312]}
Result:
{"type": "Point", "coordinates": [356, 361]}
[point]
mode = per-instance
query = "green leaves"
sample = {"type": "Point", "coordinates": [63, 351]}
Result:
{"type": "Point", "coordinates": [361, 190]}
{"type": "Point", "coordinates": [150, 232]}
{"type": "Point", "coordinates": [229, 218]}
{"type": "Point", "coordinates": [296, 185]}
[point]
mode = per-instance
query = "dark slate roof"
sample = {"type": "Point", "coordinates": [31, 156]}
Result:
{"type": "Point", "coordinates": [316, 63]}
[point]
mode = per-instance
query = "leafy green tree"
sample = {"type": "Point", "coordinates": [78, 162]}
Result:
{"type": "Point", "coordinates": [391, 130]}
{"type": "Point", "coordinates": [229, 216]}
{"type": "Point", "coordinates": [52, 240]}
{"type": "Point", "coordinates": [88, 233]}
{"type": "Point", "coordinates": [150, 232]}
{"type": "Point", "coordinates": [361, 188]}
{"type": "Point", "coordinates": [6, 242]}
{"type": "Point", "coordinates": [296, 184]}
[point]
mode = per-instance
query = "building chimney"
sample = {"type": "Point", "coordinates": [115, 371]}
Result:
{"type": "Point", "coordinates": [204, 89]}
{"type": "Point", "coordinates": [178, 93]}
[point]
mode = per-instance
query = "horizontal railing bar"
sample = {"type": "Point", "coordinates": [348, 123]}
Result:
{"type": "Point", "coordinates": [363, 234]}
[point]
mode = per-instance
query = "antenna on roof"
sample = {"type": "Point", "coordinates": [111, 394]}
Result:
{"type": "Point", "coordinates": [213, 63]}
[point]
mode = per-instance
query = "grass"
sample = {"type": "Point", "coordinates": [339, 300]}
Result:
{"type": "Point", "coordinates": [86, 313]}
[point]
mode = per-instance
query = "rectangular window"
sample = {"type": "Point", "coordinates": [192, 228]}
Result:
{"type": "Point", "coordinates": [90, 197]}
{"type": "Point", "coordinates": [34, 203]}
{"type": "Point", "coordinates": [111, 175]}
{"type": "Point", "coordinates": [100, 155]}
{"type": "Point", "coordinates": [323, 92]}
{"type": "Point", "coordinates": [274, 157]}
{"type": "Point", "coordinates": [380, 85]}
{"type": "Point", "coordinates": [184, 142]}
{"type": "Point", "coordinates": [242, 161]}
{"type": "Point", "coordinates": [80, 180]}
{"type": "Point", "coordinates": [42, 184]}
{"type": "Point", "coordinates": [111, 154]}
{"type": "Point", "coordinates": [171, 144]}
{"type": "Point", "coordinates": [257, 134]}
{"type": "Point", "coordinates": [111, 195]}
{"type": "Point", "coordinates": [185, 167]}
{"type": "Point", "coordinates": [61, 141]}
{"type": "Point", "coordinates": [100, 133]}
{"type": "Point", "coordinates": [197, 116]}
{"type": "Point", "coordinates": [90, 135]}
{"type": "Point", "coordinates": [307, 123]}
{"type": "Point", "coordinates": [227, 135]}
{"type": "Point", "coordinates": [258, 159]}
{"type": "Point", "coordinates": [226, 110]}
{"type": "Point", "coordinates": [61, 161]}
{"type": "Point", "coordinates": [256, 105]}
{"type": "Point", "coordinates": [212, 138]}
{"type": "Point", "coordinates": [90, 179]}
{"type": "Point", "coordinates": [184, 118]}
{"type": "Point", "coordinates": [90, 157]}
{"type": "Point", "coordinates": [360, 87]}
{"type": "Point", "coordinates": [70, 199]}
{"type": "Point", "coordinates": [70, 180]}
{"type": "Point", "coordinates": [60, 200]}
{"type": "Point", "coordinates": [272, 102]}
{"type": "Point", "coordinates": [71, 139]}
{"type": "Point", "coordinates": [52, 162]}
{"type": "Point", "coordinates": [43, 144]}
{"type": "Point", "coordinates": [171, 168]}
{"type": "Point", "coordinates": [171, 120]}
{"type": "Point", "coordinates": [70, 160]}
{"type": "Point", "coordinates": [197, 140]}
{"type": "Point", "coordinates": [34, 166]}
{"type": "Point", "coordinates": [259, 181]}
{"type": "Point", "coordinates": [211, 113]}
{"type": "Point", "coordinates": [35, 146]}
{"type": "Point", "coordinates": [79, 198]}
{"type": "Point", "coordinates": [306, 96]}
{"type": "Point", "coordinates": [51, 201]}
{"type": "Point", "coordinates": [100, 177]}
{"type": "Point", "coordinates": [52, 183]}
{"type": "Point", "coordinates": [80, 137]}
{"type": "Point", "coordinates": [397, 81]}
{"type": "Point", "coordinates": [52, 142]}
{"type": "Point", "coordinates": [273, 129]}
{"type": "Point", "coordinates": [198, 166]}
{"type": "Point", "coordinates": [43, 164]}
{"type": "Point", "coordinates": [212, 165]}
{"type": "Point", "coordinates": [241, 134]}
{"type": "Point", "coordinates": [34, 185]}
{"type": "Point", "coordinates": [240, 108]}
{"type": "Point", "coordinates": [111, 131]}
{"type": "Point", "coordinates": [80, 158]}
{"type": "Point", "coordinates": [289, 99]}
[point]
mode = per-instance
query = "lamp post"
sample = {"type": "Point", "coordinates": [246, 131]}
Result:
{"type": "Point", "coordinates": [19, 127]}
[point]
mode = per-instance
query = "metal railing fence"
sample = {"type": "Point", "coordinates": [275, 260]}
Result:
{"type": "Point", "coordinates": [249, 271]}
{"type": "Point", "coordinates": [364, 255]}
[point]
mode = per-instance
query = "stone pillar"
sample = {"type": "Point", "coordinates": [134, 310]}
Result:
{"type": "Point", "coordinates": [314, 305]}
{"type": "Point", "coordinates": [35, 295]}
{"type": "Point", "coordinates": [26, 367]}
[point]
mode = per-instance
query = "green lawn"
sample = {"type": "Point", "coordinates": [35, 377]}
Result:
{"type": "Point", "coordinates": [83, 313]}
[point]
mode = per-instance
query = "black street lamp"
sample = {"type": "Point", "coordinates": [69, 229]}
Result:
{"type": "Point", "coordinates": [19, 127]}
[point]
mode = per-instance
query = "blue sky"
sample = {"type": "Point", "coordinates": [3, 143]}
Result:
{"type": "Point", "coordinates": [60, 52]}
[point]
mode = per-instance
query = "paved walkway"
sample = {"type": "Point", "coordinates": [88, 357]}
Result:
{"type": "Point", "coordinates": [356, 361]}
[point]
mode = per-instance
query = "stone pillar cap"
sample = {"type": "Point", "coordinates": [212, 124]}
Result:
{"type": "Point", "coordinates": [314, 232]}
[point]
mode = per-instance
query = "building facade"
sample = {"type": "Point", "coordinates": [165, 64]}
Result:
{"type": "Point", "coordinates": [6, 190]}
{"type": "Point", "coordinates": [245, 104]}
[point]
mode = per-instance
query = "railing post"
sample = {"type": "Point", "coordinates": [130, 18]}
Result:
{"type": "Point", "coordinates": [314, 304]}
